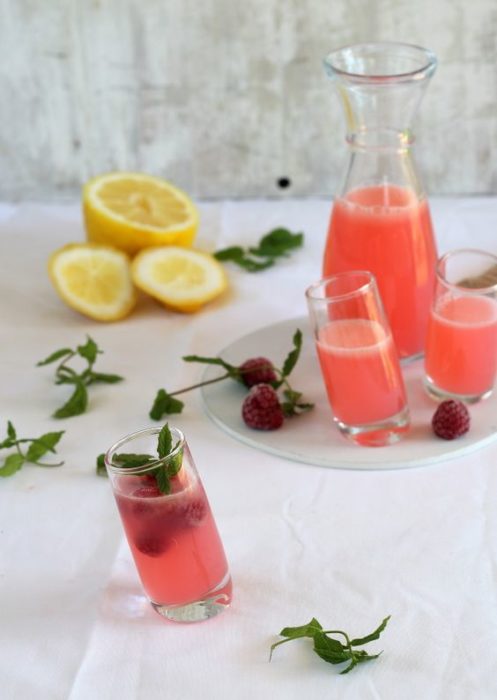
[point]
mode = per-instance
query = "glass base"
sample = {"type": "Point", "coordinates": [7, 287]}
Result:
{"type": "Point", "coordinates": [380, 434]}
{"type": "Point", "coordinates": [209, 606]}
{"type": "Point", "coordinates": [411, 358]}
{"type": "Point", "coordinates": [442, 395]}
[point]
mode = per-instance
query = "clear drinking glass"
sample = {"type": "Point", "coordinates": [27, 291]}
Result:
{"type": "Point", "coordinates": [461, 347]}
{"type": "Point", "coordinates": [380, 219]}
{"type": "Point", "coordinates": [173, 537]}
{"type": "Point", "coordinates": [358, 358]}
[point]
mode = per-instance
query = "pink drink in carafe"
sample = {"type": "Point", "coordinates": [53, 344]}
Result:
{"type": "Point", "coordinates": [388, 231]}
{"type": "Point", "coordinates": [380, 220]}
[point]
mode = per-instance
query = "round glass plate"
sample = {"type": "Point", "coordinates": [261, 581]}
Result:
{"type": "Point", "coordinates": [312, 438]}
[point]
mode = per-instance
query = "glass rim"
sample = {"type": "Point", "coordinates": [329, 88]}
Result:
{"type": "Point", "coordinates": [144, 468]}
{"type": "Point", "coordinates": [426, 69]}
{"type": "Point", "coordinates": [361, 289]}
{"type": "Point", "coordinates": [492, 259]}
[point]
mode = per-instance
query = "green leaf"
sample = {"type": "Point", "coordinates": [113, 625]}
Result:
{"type": "Point", "coordinates": [101, 468]}
{"type": "Point", "coordinates": [371, 637]}
{"type": "Point", "coordinates": [293, 406]}
{"type": "Point", "coordinates": [132, 461]}
{"type": "Point", "coordinates": [165, 404]}
{"type": "Point", "coordinates": [293, 355]}
{"type": "Point", "coordinates": [313, 627]}
{"type": "Point", "coordinates": [237, 255]}
{"type": "Point", "coordinates": [233, 253]}
{"type": "Point", "coordinates": [42, 445]}
{"type": "Point", "coordinates": [12, 464]}
{"type": "Point", "coordinates": [164, 442]}
{"type": "Point", "coordinates": [11, 438]}
{"type": "Point", "coordinates": [89, 350]}
{"type": "Point", "coordinates": [162, 480]}
{"type": "Point", "coordinates": [76, 404]}
{"type": "Point", "coordinates": [310, 630]}
{"type": "Point", "coordinates": [278, 242]}
{"type": "Point", "coordinates": [11, 431]}
{"type": "Point", "coordinates": [63, 352]}
{"type": "Point", "coordinates": [66, 375]}
{"type": "Point", "coordinates": [175, 463]}
{"type": "Point", "coordinates": [104, 378]}
{"type": "Point", "coordinates": [330, 650]}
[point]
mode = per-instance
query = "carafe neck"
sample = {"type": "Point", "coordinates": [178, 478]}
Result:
{"type": "Point", "coordinates": [381, 86]}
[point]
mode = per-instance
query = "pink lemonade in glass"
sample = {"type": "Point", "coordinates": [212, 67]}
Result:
{"type": "Point", "coordinates": [358, 358]}
{"type": "Point", "coordinates": [461, 349]}
{"type": "Point", "coordinates": [172, 536]}
{"type": "Point", "coordinates": [387, 230]}
{"type": "Point", "coordinates": [361, 371]}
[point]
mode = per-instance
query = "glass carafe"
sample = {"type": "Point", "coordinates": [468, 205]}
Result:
{"type": "Point", "coordinates": [380, 219]}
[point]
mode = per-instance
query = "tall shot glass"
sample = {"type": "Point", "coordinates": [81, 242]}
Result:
{"type": "Point", "coordinates": [173, 537]}
{"type": "Point", "coordinates": [461, 344]}
{"type": "Point", "coordinates": [358, 358]}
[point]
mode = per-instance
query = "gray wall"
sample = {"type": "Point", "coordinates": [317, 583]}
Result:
{"type": "Point", "coordinates": [225, 97]}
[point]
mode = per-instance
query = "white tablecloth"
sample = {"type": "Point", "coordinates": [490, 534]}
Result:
{"type": "Point", "coordinates": [344, 546]}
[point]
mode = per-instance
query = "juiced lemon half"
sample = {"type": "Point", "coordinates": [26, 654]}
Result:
{"type": "Point", "coordinates": [181, 278]}
{"type": "Point", "coordinates": [94, 280]}
{"type": "Point", "coordinates": [132, 211]}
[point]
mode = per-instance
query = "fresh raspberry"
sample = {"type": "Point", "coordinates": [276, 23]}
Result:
{"type": "Point", "coordinates": [450, 420]}
{"type": "Point", "coordinates": [151, 491]}
{"type": "Point", "coordinates": [261, 408]}
{"type": "Point", "coordinates": [153, 545]}
{"type": "Point", "coordinates": [194, 512]}
{"type": "Point", "coordinates": [257, 370]}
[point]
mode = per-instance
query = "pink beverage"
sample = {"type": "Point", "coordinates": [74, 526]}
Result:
{"type": "Point", "coordinates": [361, 371]}
{"type": "Point", "coordinates": [169, 524]}
{"type": "Point", "coordinates": [388, 231]}
{"type": "Point", "coordinates": [173, 538]}
{"type": "Point", "coordinates": [461, 349]}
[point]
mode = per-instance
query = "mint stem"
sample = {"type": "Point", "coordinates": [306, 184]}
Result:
{"type": "Point", "coordinates": [196, 386]}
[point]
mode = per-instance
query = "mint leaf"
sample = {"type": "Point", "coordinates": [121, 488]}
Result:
{"type": "Point", "coordinates": [293, 355]}
{"type": "Point", "coordinates": [162, 479]}
{"type": "Point", "coordinates": [37, 448]}
{"type": "Point", "coordinates": [165, 442]}
{"type": "Point", "coordinates": [293, 406]}
{"type": "Point", "coordinates": [11, 431]}
{"type": "Point", "coordinates": [310, 630]}
{"type": "Point", "coordinates": [104, 378]}
{"type": "Point", "coordinates": [371, 637]}
{"type": "Point", "coordinates": [89, 350]}
{"type": "Point", "coordinates": [76, 404]}
{"type": "Point", "coordinates": [101, 469]}
{"type": "Point", "coordinates": [233, 253]}
{"type": "Point", "coordinates": [63, 352]}
{"type": "Point", "coordinates": [131, 460]}
{"type": "Point", "coordinates": [164, 404]}
{"type": "Point", "coordinates": [11, 465]}
{"type": "Point", "coordinates": [277, 243]}
{"type": "Point", "coordinates": [42, 445]}
{"type": "Point", "coordinates": [332, 650]}
{"type": "Point", "coordinates": [238, 256]}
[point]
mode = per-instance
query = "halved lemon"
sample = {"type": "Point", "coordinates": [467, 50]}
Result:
{"type": "Point", "coordinates": [94, 280]}
{"type": "Point", "coordinates": [131, 211]}
{"type": "Point", "coordinates": [181, 278]}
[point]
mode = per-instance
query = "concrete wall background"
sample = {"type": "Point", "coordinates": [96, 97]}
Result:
{"type": "Point", "coordinates": [225, 97]}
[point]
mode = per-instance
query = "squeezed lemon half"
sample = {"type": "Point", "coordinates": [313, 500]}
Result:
{"type": "Point", "coordinates": [94, 280]}
{"type": "Point", "coordinates": [132, 211]}
{"type": "Point", "coordinates": [183, 279]}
